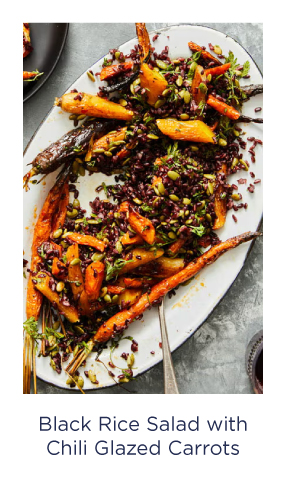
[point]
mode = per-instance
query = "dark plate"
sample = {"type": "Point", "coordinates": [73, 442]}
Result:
{"type": "Point", "coordinates": [48, 40]}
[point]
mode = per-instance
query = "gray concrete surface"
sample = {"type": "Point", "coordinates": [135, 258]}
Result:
{"type": "Point", "coordinates": [213, 360]}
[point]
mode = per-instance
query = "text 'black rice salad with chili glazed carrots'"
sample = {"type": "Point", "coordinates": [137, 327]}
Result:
{"type": "Point", "coordinates": [167, 130]}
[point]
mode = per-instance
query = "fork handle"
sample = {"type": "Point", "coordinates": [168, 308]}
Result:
{"type": "Point", "coordinates": [169, 372]}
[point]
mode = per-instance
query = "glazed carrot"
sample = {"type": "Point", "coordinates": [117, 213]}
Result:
{"type": "Point", "coordinates": [56, 268]}
{"type": "Point", "coordinates": [86, 306]}
{"type": "Point", "coordinates": [153, 82]}
{"type": "Point", "coordinates": [144, 40]}
{"type": "Point", "coordinates": [94, 275]}
{"type": "Point", "coordinates": [111, 71]}
{"type": "Point", "coordinates": [105, 141]}
{"type": "Point", "coordinates": [93, 106]}
{"type": "Point", "coordinates": [223, 108]}
{"type": "Point", "coordinates": [138, 282]}
{"type": "Point", "coordinates": [138, 257]}
{"type": "Point", "coordinates": [28, 75]}
{"type": "Point", "coordinates": [87, 240]}
{"type": "Point", "coordinates": [124, 207]}
{"type": "Point", "coordinates": [162, 267]}
{"type": "Point", "coordinates": [120, 321]}
{"type": "Point", "coordinates": [70, 312]}
{"type": "Point", "coordinates": [60, 215]}
{"type": "Point", "coordinates": [193, 131]}
{"type": "Point", "coordinates": [41, 234]}
{"type": "Point", "coordinates": [218, 70]}
{"type": "Point", "coordinates": [126, 239]}
{"type": "Point", "coordinates": [176, 246]}
{"type": "Point", "coordinates": [141, 226]}
{"type": "Point", "coordinates": [220, 204]}
{"type": "Point", "coordinates": [199, 88]}
{"type": "Point", "coordinates": [74, 271]}
{"type": "Point", "coordinates": [129, 297]}
{"type": "Point", "coordinates": [206, 55]}
{"type": "Point", "coordinates": [115, 290]}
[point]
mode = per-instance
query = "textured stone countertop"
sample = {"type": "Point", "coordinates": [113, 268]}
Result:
{"type": "Point", "coordinates": [213, 359]}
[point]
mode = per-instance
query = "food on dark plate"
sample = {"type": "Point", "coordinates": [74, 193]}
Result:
{"type": "Point", "coordinates": [27, 48]}
{"type": "Point", "coordinates": [169, 135]}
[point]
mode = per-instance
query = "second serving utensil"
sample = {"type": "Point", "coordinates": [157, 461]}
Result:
{"type": "Point", "coordinates": [169, 372]}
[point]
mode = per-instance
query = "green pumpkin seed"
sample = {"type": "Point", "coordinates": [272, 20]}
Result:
{"type": "Point", "coordinates": [172, 235]}
{"type": "Point", "coordinates": [161, 188]}
{"type": "Point", "coordinates": [81, 171]}
{"type": "Point", "coordinates": [195, 148]}
{"type": "Point", "coordinates": [72, 214]}
{"type": "Point", "coordinates": [73, 116]}
{"type": "Point", "coordinates": [152, 136]}
{"type": "Point", "coordinates": [75, 351]}
{"type": "Point", "coordinates": [166, 92]}
{"type": "Point", "coordinates": [119, 247]}
{"type": "Point", "coordinates": [75, 261]}
{"type": "Point", "coordinates": [52, 364]}
{"type": "Point", "coordinates": [57, 233]}
{"type": "Point", "coordinates": [181, 213]}
{"type": "Point", "coordinates": [210, 188]}
{"type": "Point", "coordinates": [115, 299]}
{"type": "Point", "coordinates": [132, 89]}
{"type": "Point", "coordinates": [103, 292]}
{"type": "Point", "coordinates": [75, 167]}
{"type": "Point", "coordinates": [235, 197]}
{"type": "Point", "coordinates": [222, 142]}
{"type": "Point", "coordinates": [159, 103]}
{"type": "Point", "coordinates": [92, 376]}
{"type": "Point", "coordinates": [80, 382]}
{"type": "Point", "coordinates": [174, 198]}
{"type": "Point", "coordinates": [81, 116]}
{"type": "Point", "coordinates": [56, 325]}
{"type": "Point", "coordinates": [173, 175]}
{"type": "Point", "coordinates": [208, 217]}
{"type": "Point", "coordinates": [76, 203]}
{"type": "Point", "coordinates": [244, 164]}
{"type": "Point", "coordinates": [217, 50]}
{"type": "Point", "coordinates": [209, 176]}
{"type": "Point", "coordinates": [193, 66]}
{"type": "Point", "coordinates": [187, 97]}
{"type": "Point", "coordinates": [69, 381]}
{"type": "Point", "coordinates": [117, 55]}
{"type": "Point", "coordinates": [60, 286]}
{"type": "Point", "coordinates": [236, 133]}
{"type": "Point", "coordinates": [99, 151]}
{"type": "Point", "coordinates": [107, 298]}
{"type": "Point", "coordinates": [237, 83]}
{"type": "Point", "coordinates": [123, 102]}
{"type": "Point", "coordinates": [235, 162]}
{"type": "Point", "coordinates": [208, 78]}
{"type": "Point", "coordinates": [137, 201]}
{"type": "Point", "coordinates": [162, 65]}
{"type": "Point", "coordinates": [203, 88]}
{"type": "Point", "coordinates": [130, 360]}
{"type": "Point", "coordinates": [189, 221]}
{"type": "Point", "coordinates": [90, 76]}
{"type": "Point", "coordinates": [186, 201]}
{"type": "Point", "coordinates": [107, 153]}
{"type": "Point", "coordinates": [179, 81]}
{"type": "Point", "coordinates": [136, 82]}
{"type": "Point", "coordinates": [184, 116]}
{"type": "Point", "coordinates": [79, 330]}
{"type": "Point", "coordinates": [98, 256]}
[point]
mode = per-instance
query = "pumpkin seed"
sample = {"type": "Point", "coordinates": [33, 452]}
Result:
{"type": "Point", "coordinates": [81, 116]}
{"type": "Point", "coordinates": [52, 364]}
{"type": "Point", "coordinates": [208, 217]}
{"type": "Point", "coordinates": [132, 89]}
{"type": "Point", "coordinates": [107, 153]}
{"type": "Point", "coordinates": [162, 65]}
{"type": "Point", "coordinates": [81, 171]}
{"type": "Point", "coordinates": [179, 81]}
{"type": "Point", "coordinates": [103, 291]}
{"type": "Point", "coordinates": [98, 151]}
{"type": "Point", "coordinates": [244, 164]}
{"type": "Point", "coordinates": [119, 143]}
{"type": "Point", "coordinates": [130, 360]}
{"type": "Point", "coordinates": [75, 351]}
{"type": "Point", "coordinates": [60, 286]}
{"type": "Point", "coordinates": [56, 325]}
{"type": "Point", "coordinates": [210, 188]}
{"type": "Point", "coordinates": [161, 188]}
{"type": "Point", "coordinates": [195, 148]}
{"type": "Point", "coordinates": [92, 376]}
{"type": "Point", "coordinates": [203, 88]}
{"type": "Point", "coordinates": [69, 381]}
{"type": "Point", "coordinates": [97, 256]}
{"type": "Point", "coordinates": [137, 201]}
{"type": "Point", "coordinates": [184, 116]}
{"type": "Point", "coordinates": [209, 176]}
{"type": "Point", "coordinates": [66, 234]}
{"type": "Point", "coordinates": [79, 330]}
{"type": "Point", "coordinates": [173, 175]}
{"type": "Point", "coordinates": [186, 201]}
{"type": "Point", "coordinates": [80, 382]}
{"type": "Point", "coordinates": [172, 235]}
{"type": "Point", "coordinates": [115, 299]}
{"type": "Point", "coordinates": [187, 97]}
{"type": "Point", "coordinates": [107, 298]}
{"type": "Point", "coordinates": [57, 233]}
{"type": "Point", "coordinates": [156, 190]}
{"type": "Point", "coordinates": [156, 69]}
{"type": "Point", "coordinates": [117, 55]}
{"type": "Point", "coordinates": [73, 116]}
{"type": "Point", "coordinates": [235, 162]}
{"type": "Point", "coordinates": [181, 213]}
{"type": "Point", "coordinates": [119, 247]}
{"type": "Point", "coordinates": [93, 221]}
{"type": "Point", "coordinates": [136, 82]}
{"type": "Point", "coordinates": [174, 198]}
{"type": "Point", "coordinates": [90, 76]}
{"type": "Point", "coordinates": [208, 78]}
{"type": "Point", "coordinates": [75, 261]}
{"type": "Point", "coordinates": [76, 203]}
{"type": "Point", "coordinates": [217, 50]}
{"type": "Point", "coordinates": [166, 92]}
{"type": "Point", "coordinates": [75, 167]}
{"type": "Point", "coordinates": [123, 102]}
{"type": "Point", "coordinates": [72, 214]}
{"type": "Point", "coordinates": [222, 142]}
{"type": "Point", "coordinates": [193, 66]}
{"type": "Point", "coordinates": [189, 221]}
{"type": "Point", "coordinates": [159, 103]}
{"type": "Point", "coordinates": [235, 197]}
{"type": "Point", "coordinates": [236, 133]}
{"type": "Point", "coordinates": [181, 93]}
{"type": "Point", "coordinates": [152, 136]}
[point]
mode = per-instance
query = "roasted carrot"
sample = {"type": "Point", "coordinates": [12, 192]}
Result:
{"type": "Point", "coordinates": [129, 296]}
{"type": "Point", "coordinates": [75, 276]}
{"type": "Point", "coordinates": [193, 131]}
{"type": "Point", "coordinates": [138, 257]}
{"type": "Point", "coordinates": [199, 88]}
{"type": "Point", "coordinates": [111, 71]}
{"type": "Point", "coordinates": [121, 320]}
{"type": "Point", "coordinates": [86, 306]}
{"type": "Point", "coordinates": [60, 215]}
{"type": "Point", "coordinates": [220, 204]}
{"type": "Point", "coordinates": [176, 246]}
{"type": "Point", "coordinates": [94, 275]}
{"type": "Point", "coordinates": [153, 82]}
{"type": "Point", "coordinates": [70, 312]}
{"type": "Point", "coordinates": [128, 238]}
{"type": "Point", "coordinates": [141, 225]}
{"type": "Point", "coordinates": [206, 55]}
{"type": "Point", "coordinates": [92, 105]}
{"type": "Point", "coordinates": [105, 141]}
{"type": "Point", "coordinates": [223, 108]}
{"type": "Point", "coordinates": [144, 40]}
{"type": "Point", "coordinates": [115, 290]}
{"type": "Point", "coordinates": [138, 282]}
{"type": "Point", "coordinates": [162, 267]}
{"type": "Point", "coordinates": [87, 240]}
{"type": "Point", "coordinates": [29, 75]}
{"type": "Point", "coordinates": [57, 270]}
{"type": "Point", "coordinates": [218, 70]}
{"type": "Point", "coordinates": [41, 234]}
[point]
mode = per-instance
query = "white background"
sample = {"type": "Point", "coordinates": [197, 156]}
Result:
{"type": "Point", "coordinates": [268, 450]}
